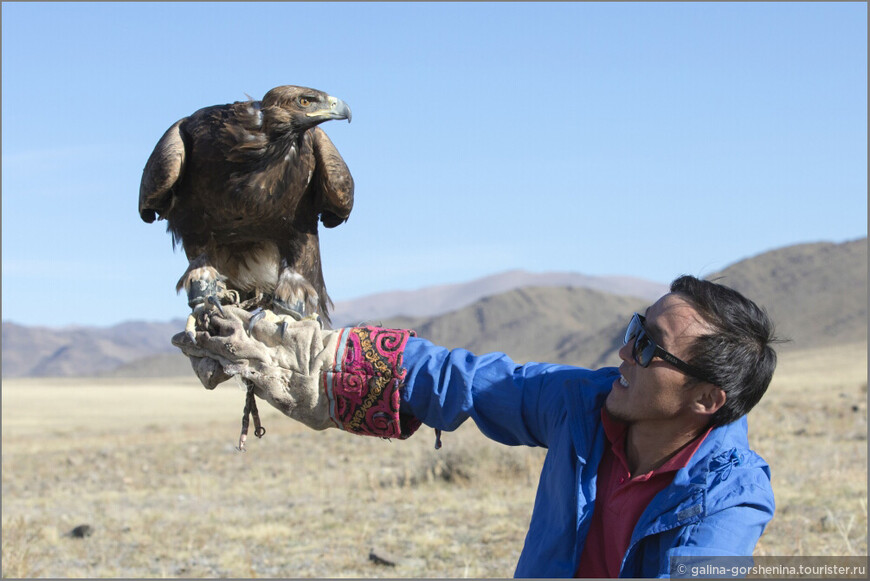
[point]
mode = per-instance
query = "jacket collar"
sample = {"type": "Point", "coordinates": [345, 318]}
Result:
{"type": "Point", "coordinates": [689, 496]}
{"type": "Point", "coordinates": [693, 491]}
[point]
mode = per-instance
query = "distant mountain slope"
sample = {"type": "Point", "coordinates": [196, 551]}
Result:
{"type": "Point", "coordinates": [48, 352]}
{"type": "Point", "coordinates": [437, 300]}
{"type": "Point", "coordinates": [173, 364]}
{"type": "Point", "coordinates": [125, 349]}
{"type": "Point", "coordinates": [815, 293]}
{"type": "Point", "coordinates": [558, 325]}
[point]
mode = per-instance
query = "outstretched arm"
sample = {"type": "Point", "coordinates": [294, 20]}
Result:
{"type": "Point", "coordinates": [511, 403]}
{"type": "Point", "coordinates": [377, 381]}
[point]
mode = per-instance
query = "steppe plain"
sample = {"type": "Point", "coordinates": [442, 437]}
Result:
{"type": "Point", "coordinates": [150, 466]}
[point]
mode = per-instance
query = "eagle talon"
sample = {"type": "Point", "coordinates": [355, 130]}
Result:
{"type": "Point", "coordinates": [297, 311]}
{"type": "Point", "coordinates": [216, 302]}
{"type": "Point", "coordinates": [190, 326]}
{"type": "Point", "coordinates": [256, 315]}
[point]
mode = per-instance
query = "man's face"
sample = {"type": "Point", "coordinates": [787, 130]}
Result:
{"type": "Point", "coordinates": [657, 392]}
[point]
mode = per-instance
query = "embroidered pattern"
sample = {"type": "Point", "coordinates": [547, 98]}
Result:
{"type": "Point", "coordinates": [364, 385]}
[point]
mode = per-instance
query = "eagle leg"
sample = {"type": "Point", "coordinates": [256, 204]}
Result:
{"type": "Point", "coordinates": [206, 291]}
{"type": "Point", "coordinates": [294, 295]}
{"type": "Point", "coordinates": [200, 284]}
{"type": "Point", "coordinates": [190, 326]}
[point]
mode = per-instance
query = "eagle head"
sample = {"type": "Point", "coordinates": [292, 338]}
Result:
{"type": "Point", "coordinates": [296, 109]}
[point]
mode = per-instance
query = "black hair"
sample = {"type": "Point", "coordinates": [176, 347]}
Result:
{"type": "Point", "coordinates": [737, 356]}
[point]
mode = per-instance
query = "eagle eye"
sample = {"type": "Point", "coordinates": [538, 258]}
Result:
{"type": "Point", "coordinates": [304, 101]}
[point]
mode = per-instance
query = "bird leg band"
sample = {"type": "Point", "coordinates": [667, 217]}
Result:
{"type": "Point", "coordinates": [200, 289]}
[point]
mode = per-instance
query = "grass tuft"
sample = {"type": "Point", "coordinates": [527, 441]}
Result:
{"type": "Point", "coordinates": [20, 553]}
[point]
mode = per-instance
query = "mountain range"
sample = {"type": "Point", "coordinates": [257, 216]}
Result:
{"type": "Point", "coordinates": [441, 299]}
{"type": "Point", "coordinates": [816, 293]}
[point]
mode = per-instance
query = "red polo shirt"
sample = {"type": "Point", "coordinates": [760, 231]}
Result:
{"type": "Point", "coordinates": [621, 499]}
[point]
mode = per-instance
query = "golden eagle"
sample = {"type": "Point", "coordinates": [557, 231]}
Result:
{"type": "Point", "coordinates": [242, 187]}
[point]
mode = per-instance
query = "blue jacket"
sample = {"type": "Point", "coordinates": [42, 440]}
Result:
{"type": "Point", "coordinates": [719, 504]}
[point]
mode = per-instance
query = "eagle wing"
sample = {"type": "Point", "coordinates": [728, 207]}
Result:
{"type": "Point", "coordinates": [161, 173]}
{"type": "Point", "coordinates": [334, 195]}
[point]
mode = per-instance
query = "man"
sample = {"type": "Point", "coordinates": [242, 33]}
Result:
{"type": "Point", "coordinates": [645, 462]}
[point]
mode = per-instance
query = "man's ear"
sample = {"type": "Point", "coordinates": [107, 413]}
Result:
{"type": "Point", "coordinates": [710, 399]}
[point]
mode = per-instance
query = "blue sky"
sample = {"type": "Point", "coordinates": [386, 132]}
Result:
{"type": "Point", "coordinates": [645, 139]}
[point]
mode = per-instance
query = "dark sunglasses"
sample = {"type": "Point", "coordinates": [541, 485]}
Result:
{"type": "Point", "coordinates": [645, 349]}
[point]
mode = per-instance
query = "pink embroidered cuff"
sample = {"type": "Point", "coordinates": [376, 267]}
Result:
{"type": "Point", "coordinates": [364, 383]}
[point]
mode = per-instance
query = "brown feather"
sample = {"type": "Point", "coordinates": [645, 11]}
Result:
{"type": "Point", "coordinates": [247, 180]}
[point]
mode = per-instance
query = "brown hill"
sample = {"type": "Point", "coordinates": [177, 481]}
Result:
{"type": "Point", "coordinates": [815, 293]}
{"type": "Point", "coordinates": [560, 325]}
{"type": "Point", "coordinates": [139, 349]}
{"type": "Point", "coordinates": [173, 364]}
{"type": "Point", "coordinates": [441, 299]}
{"type": "Point", "coordinates": [72, 351]}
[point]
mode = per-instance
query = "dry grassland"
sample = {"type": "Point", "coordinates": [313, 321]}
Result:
{"type": "Point", "coordinates": [150, 466]}
{"type": "Point", "coordinates": [811, 427]}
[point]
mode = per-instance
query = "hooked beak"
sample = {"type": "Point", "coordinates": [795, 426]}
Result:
{"type": "Point", "coordinates": [335, 109]}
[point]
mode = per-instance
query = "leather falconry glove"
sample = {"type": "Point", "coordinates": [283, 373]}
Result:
{"type": "Point", "coordinates": [346, 378]}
